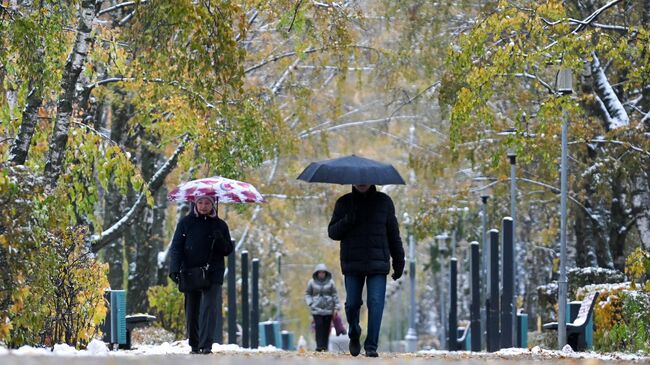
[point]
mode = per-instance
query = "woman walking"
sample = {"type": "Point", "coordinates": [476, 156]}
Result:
{"type": "Point", "coordinates": [323, 302]}
{"type": "Point", "coordinates": [201, 240]}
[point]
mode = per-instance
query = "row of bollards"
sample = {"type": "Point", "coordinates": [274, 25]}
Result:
{"type": "Point", "coordinates": [504, 328]}
{"type": "Point", "coordinates": [250, 306]}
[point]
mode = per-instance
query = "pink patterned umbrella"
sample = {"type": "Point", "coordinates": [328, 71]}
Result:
{"type": "Point", "coordinates": [223, 190]}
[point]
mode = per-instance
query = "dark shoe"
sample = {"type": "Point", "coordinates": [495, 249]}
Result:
{"type": "Point", "coordinates": [372, 353]}
{"type": "Point", "coordinates": [355, 347]}
{"type": "Point", "coordinates": [206, 351]}
{"type": "Point", "coordinates": [195, 350]}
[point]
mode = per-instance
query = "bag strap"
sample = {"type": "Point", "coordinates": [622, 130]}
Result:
{"type": "Point", "coordinates": [207, 265]}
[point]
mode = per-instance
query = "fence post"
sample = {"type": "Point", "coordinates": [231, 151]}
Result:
{"type": "Point", "coordinates": [232, 298]}
{"type": "Point", "coordinates": [476, 299]}
{"type": "Point", "coordinates": [255, 310]}
{"type": "Point", "coordinates": [245, 312]}
{"type": "Point", "coordinates": [507, 305]}
{"type": "Point", "coordinates": [492, 302]}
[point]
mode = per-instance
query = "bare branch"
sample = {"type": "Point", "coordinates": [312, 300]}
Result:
{"type": "Point", "coordinates": [295, 197]}
{"type": "Point", "coordinates": [88, 88]}
{"type": "Point", "coordinates": [535, 77]}
{"type": "Point", "coordinates": [278, 84]}
{"type": "Point", "coordinates": [99, 241]}
{"type": "Point", "coordinates": [355, 124]}
{"type": "Point", "coordinates": [273, 58]}
{"type": "Point", "coordinates": [591, 18]}
{"type": "Point", "coordinates": [410, 100]}
{"type": "Point", "coordinates": [250, 22]}
{"type": "Point", "coordinates": [621, 143]}
{"type": "Point", "coordinates": [295, 13]}
{"type": "Point", "coordinates": [120, 6]}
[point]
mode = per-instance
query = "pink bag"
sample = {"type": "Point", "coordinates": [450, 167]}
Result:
{"type": "Point", "coordinates": [338, 324]}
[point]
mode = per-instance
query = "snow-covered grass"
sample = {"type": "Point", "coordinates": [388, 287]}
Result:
{"type": "Point", "coordinates": [536, 353]}
{"type": "Point", "coordinates": [99, 348]}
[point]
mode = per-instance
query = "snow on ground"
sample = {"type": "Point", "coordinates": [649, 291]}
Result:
{"type": "Point", "coordinates": [537, 353]}
{"type": "Point", "coordinates": [99, 348]}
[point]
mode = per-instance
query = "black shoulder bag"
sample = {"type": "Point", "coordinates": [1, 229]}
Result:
{"type": "Point", "coordinates": [195, 278]}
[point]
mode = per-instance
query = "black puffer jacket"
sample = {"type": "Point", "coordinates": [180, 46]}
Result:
{"type": "Point", "coordinates": [366, 225]}
{"type": "Point", "coordinates": [192, 241]}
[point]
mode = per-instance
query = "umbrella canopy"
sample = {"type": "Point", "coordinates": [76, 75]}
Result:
{"type": "Point", "coordinates": [351, 170]}
{"type": "Point", "coordinates": [221, 189]}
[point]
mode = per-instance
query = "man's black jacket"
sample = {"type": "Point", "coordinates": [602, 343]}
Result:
{"type": "Point", "coordinates": [366, 225]}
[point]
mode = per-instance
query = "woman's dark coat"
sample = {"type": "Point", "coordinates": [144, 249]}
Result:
{"type": "Point", "coordinates": [193, 239]}
{"type": "Point", "coordinates": [366, 225]}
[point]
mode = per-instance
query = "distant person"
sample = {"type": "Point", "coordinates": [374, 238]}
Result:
{"type": "Point", "coordinates": [201, 238]}
{"type": "Point", "coordinates": [365, 223]}
{"type": "Point", "coordinates": [323, 302]}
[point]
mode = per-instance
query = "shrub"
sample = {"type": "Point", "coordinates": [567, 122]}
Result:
{"type": "Point", "coordinates": [622, 318]}
{"type": "Point", "coordinates": [51, 285]}
{"type": "Point", "coordinates": [167, 304]}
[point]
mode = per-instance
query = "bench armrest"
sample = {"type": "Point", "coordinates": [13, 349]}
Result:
{"type": "Point", "coordinates": [550, 326]}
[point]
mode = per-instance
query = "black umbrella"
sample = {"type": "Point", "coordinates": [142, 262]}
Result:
{"type": "Point", "coordinates": [351, 170]}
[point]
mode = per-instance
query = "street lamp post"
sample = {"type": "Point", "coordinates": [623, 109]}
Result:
{"type": "Point", "coordinates": [564, 84]}
{"type": "Point", "coordinates": [512, 156]}
{"type": "Point", "coordinates": [411, 336]}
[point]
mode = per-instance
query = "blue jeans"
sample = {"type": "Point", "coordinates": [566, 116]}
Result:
{"type": "Point", "coordinates": [376, 292]}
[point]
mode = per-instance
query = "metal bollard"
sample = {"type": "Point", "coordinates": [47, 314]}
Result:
{"type": "Point", "coordinates": [232, 298]}
{"type": "Point", "coordinates": [492, 302]}
{"type": "Point", "coordinates": [255, 305]}
{"type": "Point", "coordinates": [452, 340]}
{"type": "Point", "coordinates": [475, 310]}
{"type": "Point", "coordinates": [507, 305]}
{"type": "Point", "coordinates": [245, 312]}
{"type": "Point", "coordinates": [218, 331]}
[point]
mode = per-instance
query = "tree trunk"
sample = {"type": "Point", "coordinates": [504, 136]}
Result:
{"type": "Point", "coordinates": [74, 64]}
{"type": "Point", "coordinates": [618, 222]}
{"type": "Point", "coordinates": [113, 204]}
{"type": "Point", "coordinates": [641, 206]}
{"type": "Point", "coordinates": [586, 230]}
{"type": "Point", "coordinates": [20, 147]}
{"type": "Point", "coordinates": [148, 236]}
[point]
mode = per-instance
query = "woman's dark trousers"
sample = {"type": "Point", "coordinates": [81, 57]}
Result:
{"type": "Point", "coordinates": [201, 316]}
{"type": "Point", "coordinates": [322, 331]}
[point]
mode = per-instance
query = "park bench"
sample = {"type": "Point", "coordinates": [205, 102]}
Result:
{"type": "Point", "coordinates": [463, 337]}
{"type": "Point", "coordinates": [136, 321]}
{"type": "Point", "coordinates": [576, 330]}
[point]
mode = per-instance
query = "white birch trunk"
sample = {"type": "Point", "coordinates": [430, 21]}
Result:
{"type": "Point", "coordinates": [74, 64]}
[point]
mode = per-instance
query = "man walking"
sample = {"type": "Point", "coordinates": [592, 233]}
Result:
{"type": "Point", "coordinates": [365, 223]}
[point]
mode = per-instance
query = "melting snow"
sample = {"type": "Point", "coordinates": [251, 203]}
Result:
{"type": "Point", "coordinates": [99, 348]}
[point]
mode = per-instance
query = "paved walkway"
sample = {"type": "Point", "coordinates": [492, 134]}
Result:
{"type": "Point", "coordinates": [309, 358]}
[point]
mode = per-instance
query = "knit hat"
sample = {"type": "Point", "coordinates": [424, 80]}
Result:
{"type": "Point", "coordinates": [209, 197]}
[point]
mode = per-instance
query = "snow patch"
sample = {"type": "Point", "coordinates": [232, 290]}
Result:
{"type": "Point", "coordinates": [64, 349]}
{"type": "Point", "coordinates": [536, 353]}
{"type": "Point", "coordinates": [97, 348]}
{"type": "Point", "coordinates": [29, 350]}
